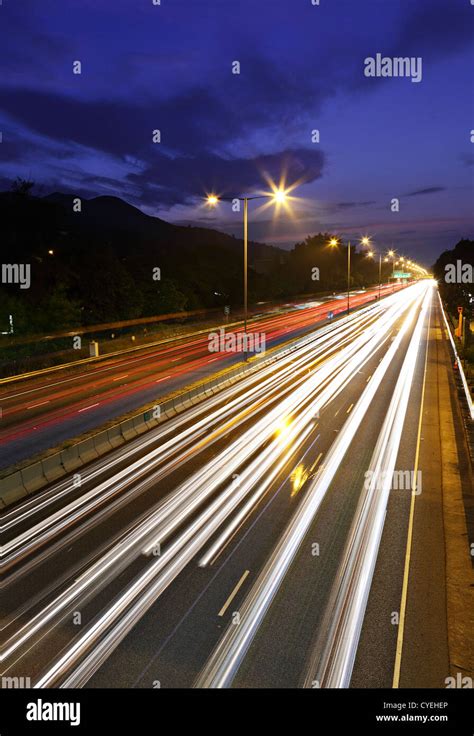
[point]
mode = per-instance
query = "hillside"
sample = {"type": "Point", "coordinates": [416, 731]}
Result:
{"type": "Point", "coordinates": [101, 263]}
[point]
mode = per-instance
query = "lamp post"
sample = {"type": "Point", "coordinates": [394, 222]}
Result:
{"type": "Point", "coordinates": [279, 196]}
{"type": "Point", "coordinates": [391, 255]}
{"type": "Point", "coordinates": [333, 243]}
{"type": "Point", "coordinates": [370, 254]}
{"type": "Point", "coordinates": [380, 274]}
{"type": "Point", "coordinates": [348, 275]}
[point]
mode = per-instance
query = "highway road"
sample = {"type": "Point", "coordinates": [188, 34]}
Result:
{"type": "Point", "coordinates": [41, 411]}
{"type": "Point", "coordinates": [236, 545]}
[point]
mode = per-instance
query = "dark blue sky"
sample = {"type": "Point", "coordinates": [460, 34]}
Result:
{"type": "Point", "coordinates": [169, 67]}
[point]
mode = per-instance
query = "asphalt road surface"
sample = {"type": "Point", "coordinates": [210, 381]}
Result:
{"type": "Point", "coordinates": [248, 541]}
{"type": "Point", "coordinates": [41, 411]}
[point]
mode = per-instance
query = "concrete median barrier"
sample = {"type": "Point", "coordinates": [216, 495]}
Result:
{"type": "Point", "coordinates": [140, 424]}
{"type": "Point", "coordinates": [115, 436]}
{"type": "Point", "coordinates": [168, 411]}
{"type": "Point", "coordinates": [21, 483]}
{"type": "Point", "coordinates": [53, 468]}
{"type": "Point", "coordinates": [102, 443]}
{"type": "Point", "coordinates": [150, 420]}
{"type": "Point", "coordinates": [12, 489]}
{"type": "Point", "coordinates": [128, 429]}
{"type": "Point", "coordinates": [70, 459]}
{"type": "Point", "coordinates": [87, 450]}
{"type": "Point", "coordinates": [33, 477]}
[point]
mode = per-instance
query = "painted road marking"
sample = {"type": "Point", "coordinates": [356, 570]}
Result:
{"type": "Point", "coordinates": [120, 377]}
{"type": "Point", "coordinates": [406, 571]}
{"type": "Point", "coordinates": [316, 462]}
{"type": "Point", "coordinates": [41, 403]}
{"type": "Point", "coordinates": [233, 594]}
{"type": "Point", "coordinates": [162, 379]}
{"type": "Point", "coordinates": [349, 409]}
{"type": "Point", "coordinates": [88, 407]}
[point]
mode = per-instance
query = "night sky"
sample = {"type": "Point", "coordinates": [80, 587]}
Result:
{"type": "Point", "coordinates": [169, 67]}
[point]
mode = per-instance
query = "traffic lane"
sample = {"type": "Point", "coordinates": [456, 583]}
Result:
{"type": "Point", "coordinates": [425, 657]}
{"type": "Point", "coordinates": [47, 502]}
{"type": "Point", "coordinates": [29, 384]}
{"type": "Point", "coordinates": [297, 612]}
{"type": "Point", "coordinates": [44, 434]}
{"type": "Point", "coordinates": [41, 399]}
{"type": "Point", "coordinates": [32, 393]}
{"type": "Point", "coordinates": [179, 650]}
{"type": "Point", "coordinates": [86, 544]}
{"type": "Point", "coordinates": [254, 393]}
{"type": "Point", "coordinates": [375, 659]}
{"type": "Point", "coordinates": [55, 571]}
{"type": "Point", "coordinates": [132, 509]}
{"type": "Point", "coordinates": [349, 408]}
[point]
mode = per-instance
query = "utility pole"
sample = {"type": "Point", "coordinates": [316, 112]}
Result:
{"type": "Point", "coordinates": [246, 202]}
{"type": "Point", "coordinates": [348, 275]}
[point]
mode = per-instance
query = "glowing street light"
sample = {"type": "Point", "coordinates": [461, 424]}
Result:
{"type": "Point", "coordinates": [333, 243]}
{"type": "Point", "coordinates": [391, 255]}
{"type": "Point", "coordinates": [278, 196]}
{"type": "Point", "coordinates": [371, 254]}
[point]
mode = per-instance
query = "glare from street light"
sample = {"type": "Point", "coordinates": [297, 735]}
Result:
{"type": "Point", "coordinates": [370, 254]}
{"type": "Point", "coordinates": [365, 241]}
{"type": "Point", "coordinates": [391, 253]}
{"type": "Point", "coordinates": [279, 196]}
{"type": "Point", "coordinates": [212, 199]}
{"type": "Point", "coordinates": [333, 242]}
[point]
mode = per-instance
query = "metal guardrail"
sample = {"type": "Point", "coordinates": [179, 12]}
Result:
{"type": "Point", "coordinates": [470, 403]}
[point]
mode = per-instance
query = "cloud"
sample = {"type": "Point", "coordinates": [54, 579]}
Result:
{"type": "Point", "coordinates": [435, 28]}
{"type": "Point", "coordinates": [183, 179]}
{"type": "Point", "coordinates": [350, 205]}
{"type": "Point", "coordinates": [426, 190]}
{"type": "Point", "coordinates": [467, 159]}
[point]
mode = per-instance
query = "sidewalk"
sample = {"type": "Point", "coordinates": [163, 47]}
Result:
{"type": "Point", "coordinates": [438, 640]}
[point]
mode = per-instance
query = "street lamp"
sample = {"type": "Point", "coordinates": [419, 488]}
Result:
{"type": "Point", "coordinates": [370, 254]}
{"type": "Point", "coordinates": [278, 196]}
{"type": "Point", "coordinates": [333, 243]}
{"type": "Point", "coordinates": [392, 255]}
